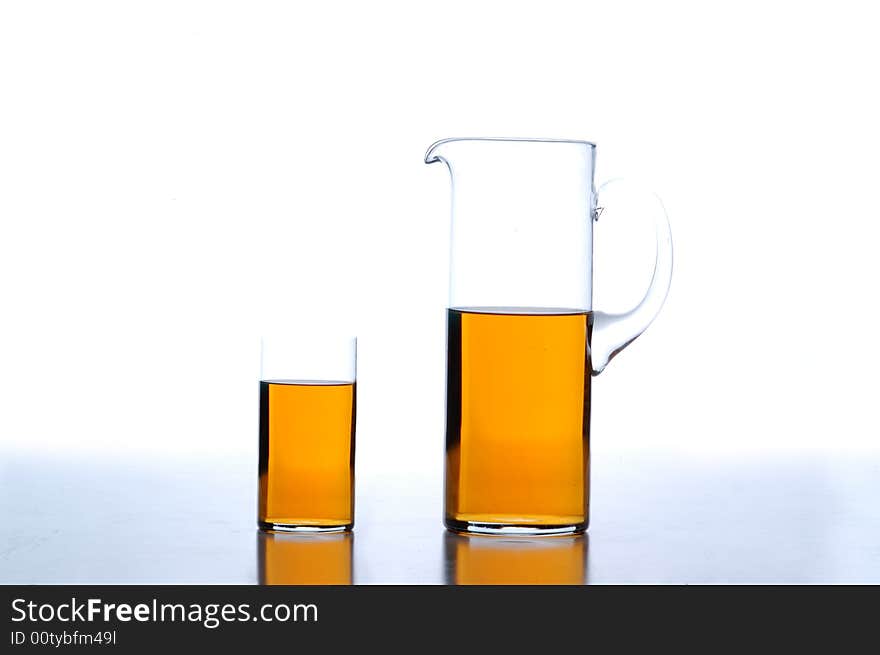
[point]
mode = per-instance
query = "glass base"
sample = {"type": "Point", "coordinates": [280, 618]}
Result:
{"type": "Point", "coordinates": [266, 526]}
{"type": "Point", "coordinates": [511, 529]}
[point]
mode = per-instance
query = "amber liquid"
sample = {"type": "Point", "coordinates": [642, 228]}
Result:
{"type": "Point", "coordinates": [518, 417]}
{"type": "Point", "coordinates": [306, 462]}
{"type": "Point", "coordinates": [293, 559]}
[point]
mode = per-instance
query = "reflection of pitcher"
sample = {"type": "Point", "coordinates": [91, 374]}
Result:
{"type": "Point", "coordinates": [314, 559]}
{"type": "Point", "coordinates": [522, 338]}
{"type": "Point", "coordinates": [517, 560]}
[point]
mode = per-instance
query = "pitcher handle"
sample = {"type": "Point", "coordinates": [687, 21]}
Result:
{"type": "Point", "coordinates": [611, 333]}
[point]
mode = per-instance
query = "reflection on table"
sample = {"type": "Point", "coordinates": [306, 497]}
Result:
{"type": "Point", "coordinates": [516, 560]}
{"type": "Point", "coordinates": [304, 559]}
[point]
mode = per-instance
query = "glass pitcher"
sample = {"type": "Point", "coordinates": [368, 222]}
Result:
{"type": "Point", "coordinates": [522, 337]}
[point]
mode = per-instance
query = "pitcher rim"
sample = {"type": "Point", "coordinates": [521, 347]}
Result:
{"type": "Point", "coordinates": [429, 159]}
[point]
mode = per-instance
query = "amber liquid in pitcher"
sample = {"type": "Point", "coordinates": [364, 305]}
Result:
{"type": "Point", "coordinates": [518, 420]}
{"type": "Point", "coordinates": [306, 465]}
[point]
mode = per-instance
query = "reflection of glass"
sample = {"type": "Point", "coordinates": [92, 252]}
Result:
{"type": "Point", "coordinates": [522, 336]}
{"type": "Point", "coordinates": [311, 559]}
{"type": "Point", "coordinates": [516, 560]}
{"type": "Point", "coordinates": [307, 426]}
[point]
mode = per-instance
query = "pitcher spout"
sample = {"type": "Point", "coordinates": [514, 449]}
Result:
{"type": "Point", "coordinates": [435, 151]}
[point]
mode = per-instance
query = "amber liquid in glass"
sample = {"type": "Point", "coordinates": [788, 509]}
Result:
{"type": "Point", "coordinates": [518, 417]}
{"type": "Point", "coordinates": [306, 462]}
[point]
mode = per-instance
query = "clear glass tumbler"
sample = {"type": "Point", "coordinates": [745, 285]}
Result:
{"type": "Point", "coordinates": [307, 433]}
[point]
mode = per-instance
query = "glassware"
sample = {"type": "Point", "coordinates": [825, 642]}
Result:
{"type": "Point", "coordinates": [522, 337]}
{"type": "Point", "coordinates": [307, 430]}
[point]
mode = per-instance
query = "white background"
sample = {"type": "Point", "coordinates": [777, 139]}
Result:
{"type": "Point", "coordinates": [178, 177]}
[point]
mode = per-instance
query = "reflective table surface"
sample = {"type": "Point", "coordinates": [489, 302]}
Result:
{"type": "Point", "coordinates": [656, 517]}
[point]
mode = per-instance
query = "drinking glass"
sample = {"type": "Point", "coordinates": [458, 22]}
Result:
{"type": "Point", "coordinates": [307, 433]}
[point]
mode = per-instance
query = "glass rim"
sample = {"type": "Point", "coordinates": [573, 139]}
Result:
{"type": "Point", "coordinates": [308, 355]}
{"type": "Point", "coordinates": [310, 333]}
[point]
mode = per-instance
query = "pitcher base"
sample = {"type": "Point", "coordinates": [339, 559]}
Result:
{"type": "Point", "coordinates": [510, 529]}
